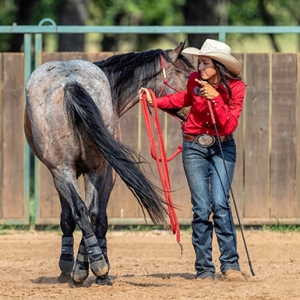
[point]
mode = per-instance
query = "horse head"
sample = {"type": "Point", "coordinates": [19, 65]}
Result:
{"type": "Point", "coordinates": [180, 67]}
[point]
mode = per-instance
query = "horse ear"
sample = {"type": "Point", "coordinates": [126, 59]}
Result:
{"type": "Point", "coordinates": [174, 53]}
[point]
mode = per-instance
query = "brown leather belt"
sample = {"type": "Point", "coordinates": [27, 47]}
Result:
{"type": "Point", "coordinates": [205, 140]}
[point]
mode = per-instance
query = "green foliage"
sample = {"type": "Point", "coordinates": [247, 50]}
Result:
{"type": "Point", "coordinates": [7, 12]}
{"type": "Point", "coordinates": [13, 12]}
{"type": "Point", "coordinates": [255, 12]}
{"type": "Point", "coordinates": [45, 9]}
{"type": "Point", "coordinates": [137, 12]}
{"type": "Point", "coordinates": [264, 13]}
{"type": "Point", "coordinates": [40, 9]}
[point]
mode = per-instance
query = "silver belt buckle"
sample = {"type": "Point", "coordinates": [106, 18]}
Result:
{"type": "Point", "coordinates": [205, 140]}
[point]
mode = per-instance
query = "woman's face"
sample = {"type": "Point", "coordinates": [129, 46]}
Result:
{"type": "Point", "coordinates": [208, 70]}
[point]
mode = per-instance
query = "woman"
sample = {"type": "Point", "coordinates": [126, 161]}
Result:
{"type": "Point", "coordinates": [217, 81]}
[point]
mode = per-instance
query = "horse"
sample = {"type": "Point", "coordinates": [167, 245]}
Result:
{"type": "Point", "coordinates": [71, 123]}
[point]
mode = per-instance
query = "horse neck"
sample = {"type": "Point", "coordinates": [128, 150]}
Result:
{"type": "Point", "coordinates": [126, 101]}
{"type": "Point", "coordinates": [128, 72]}
{"type": "Point", "coordinates": [125, 96]}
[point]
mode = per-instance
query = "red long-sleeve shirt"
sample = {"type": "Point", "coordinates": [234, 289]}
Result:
{"type": "Point", "coordinates": [199, 118]}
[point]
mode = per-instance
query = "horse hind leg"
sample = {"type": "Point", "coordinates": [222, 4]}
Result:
{"type": "Point", "coordinates": [66, 260]}
{"type": "Point", "coordinates": [66, 186]}
{"type": "Point", "coordinates": [104, 280]}
{"type": "Point", "coordinates": [88, 250]}
{"type": "Point", "coordinates": [98, 188]}
{"type": "Point", "coordinates": [101, 222]}
{"type": "Point", "coordinates": [81, 266]}
{"type": "Point", "coordinates": [101, 227]}
{"type": "Point", "coordinates": [67, 225]}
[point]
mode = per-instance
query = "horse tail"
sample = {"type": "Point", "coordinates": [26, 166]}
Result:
{"type": "Point", "coordinates": [82, 108]}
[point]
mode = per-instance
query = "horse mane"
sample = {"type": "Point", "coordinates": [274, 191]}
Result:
{"type": "Point", "coordinates": [128, 72]}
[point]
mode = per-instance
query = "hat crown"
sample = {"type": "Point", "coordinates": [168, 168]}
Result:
{"type": "Point", "coordinates": [215, 46]}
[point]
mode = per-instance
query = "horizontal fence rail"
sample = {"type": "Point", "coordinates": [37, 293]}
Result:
{"type": "Point", "coordinates": [266, 183]}
{"type": "Point", "coordinates": [53, 28]}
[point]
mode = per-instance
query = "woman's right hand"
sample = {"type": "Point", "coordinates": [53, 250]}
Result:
{"type": "Point", "coordinates": [148, 96]}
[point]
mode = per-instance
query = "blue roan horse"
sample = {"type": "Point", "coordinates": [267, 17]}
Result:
{"type": "Point", "coordinates": [72, 125]}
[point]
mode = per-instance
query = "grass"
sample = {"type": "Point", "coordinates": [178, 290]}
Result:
{"type": "Point", "coordinates": [282, 228]}
{"type": "Point", "coordinates": [6, 229]}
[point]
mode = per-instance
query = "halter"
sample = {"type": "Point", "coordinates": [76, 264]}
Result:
{"type": "Point", "coordinates": [166, 83]}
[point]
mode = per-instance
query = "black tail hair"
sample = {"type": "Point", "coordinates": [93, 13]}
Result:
{"type": "Point", "coordinates": [82, 109]}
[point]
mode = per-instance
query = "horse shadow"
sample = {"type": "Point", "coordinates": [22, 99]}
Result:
{"type": "Point", "coordinates": [91, 279]}
{"type": "Point", "coordinates": [56, 280]}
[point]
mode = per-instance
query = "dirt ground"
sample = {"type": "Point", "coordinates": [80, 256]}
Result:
{"type": "Point", "coordinates": [147, 265]}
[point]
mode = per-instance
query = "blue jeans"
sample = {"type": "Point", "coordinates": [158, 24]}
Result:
{"type": "Point", "coordinates": [208, 183]}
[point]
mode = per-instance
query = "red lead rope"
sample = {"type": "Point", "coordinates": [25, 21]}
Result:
{"type": "Point", "coordinates": [162, 160]}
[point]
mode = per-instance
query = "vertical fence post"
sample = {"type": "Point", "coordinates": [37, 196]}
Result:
{"type": "Point", "coordinates": [37, 62]}
{"type": "Point", "coordinates": [222, 36]}
{"type": "Point", "coordinates": [27, 72]}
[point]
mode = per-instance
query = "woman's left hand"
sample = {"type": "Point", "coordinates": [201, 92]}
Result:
{"type": "Point", "coordinates": [207, 90]}
{"type": "Point", "coordinates": [148, 95]}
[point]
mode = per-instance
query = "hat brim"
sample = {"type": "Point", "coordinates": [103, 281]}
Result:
{"type": "Point", "coordinates": [230, 62]}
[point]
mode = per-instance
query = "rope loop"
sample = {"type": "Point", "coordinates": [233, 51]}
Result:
{"type": "Point", "coordinates": [159, 154]}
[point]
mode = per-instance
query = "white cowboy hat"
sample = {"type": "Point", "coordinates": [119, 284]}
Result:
{"type": "Point", "coordinates": [218, 51]}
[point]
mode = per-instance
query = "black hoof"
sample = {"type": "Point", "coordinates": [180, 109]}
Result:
{"type": "Point", "coordinates": [104, 280]}
{"type": "Point", "coordinates": [80, 271]}
{"type": "Point", "coordinates": [73, 284]}
{"type": "Point", "coordinates": [64, 278]}
{"type": "Point", "coordinates": [99, 267]}
{"type": "Point", "coordinates": [66, 263]}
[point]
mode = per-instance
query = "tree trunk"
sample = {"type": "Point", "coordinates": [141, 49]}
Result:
{"type": "Point", "coordinates": [110, 42]}
{"type": "Point", "coordinates": [72, 12]}
{"type": "Point", "coordinates": [206, 13]}
{"type": "Point", "coordinates": [25, 10]}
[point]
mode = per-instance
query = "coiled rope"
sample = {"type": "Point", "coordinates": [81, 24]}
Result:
{"type": "Point", "coordinates": [159, 154]}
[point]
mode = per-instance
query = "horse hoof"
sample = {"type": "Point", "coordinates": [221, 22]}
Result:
{"type": "Point", "coordinates": [64, 278]}
{"type": "Point", "coordinates": [73, 284]}
{"type": "Point", "coordinates": [80, 275]}
{"type": "Point", "coordinates": [99, 267]}
{"type": "Point", "coordinates": [66, 266]}
{"type": "Point", "coordinates": [103, 280]}
{"type": "Point", "coordinates": [80, 272]}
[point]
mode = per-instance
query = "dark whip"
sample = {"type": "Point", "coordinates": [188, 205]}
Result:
{"type": "Point", "coordinates": [231, 191]}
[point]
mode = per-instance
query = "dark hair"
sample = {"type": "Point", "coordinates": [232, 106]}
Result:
{"type": "Point", "coordinates": [225, 74]}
